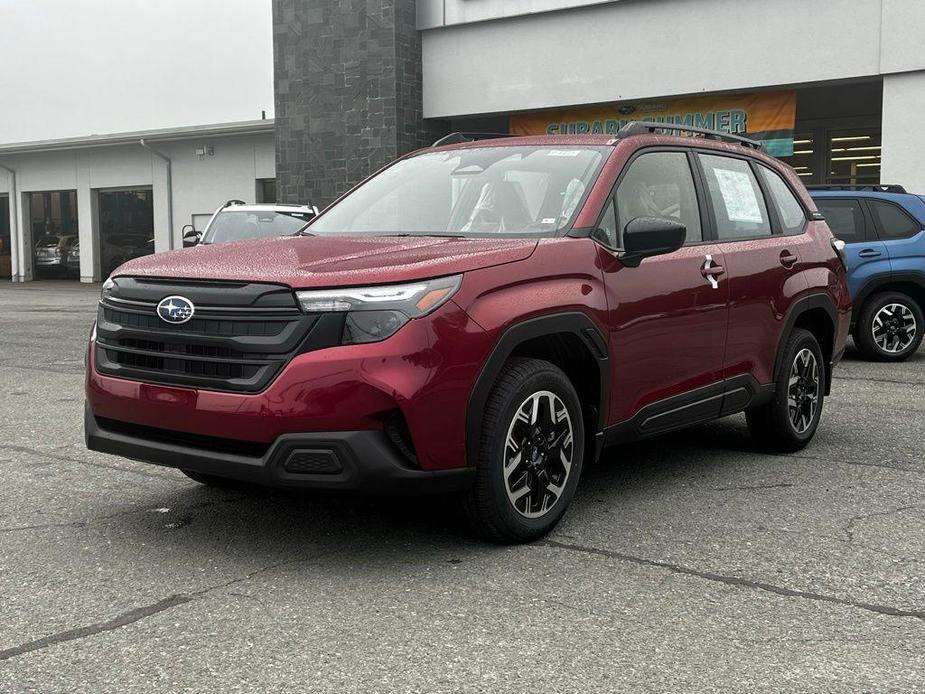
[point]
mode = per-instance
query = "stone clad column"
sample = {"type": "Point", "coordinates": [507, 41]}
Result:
{"type": "Point", "coordinates": [348, 93]}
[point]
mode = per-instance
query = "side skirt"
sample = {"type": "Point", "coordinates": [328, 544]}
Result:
{"type": "Point", "coordinates": [701, 405]}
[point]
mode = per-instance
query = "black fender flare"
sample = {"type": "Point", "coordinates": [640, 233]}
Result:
{"type": "Point", "coordinates": [873, 285]}
{"type": "Point", "coordinates": [798, 308]}
{"type": "Point", "coordinates": [576, 323]}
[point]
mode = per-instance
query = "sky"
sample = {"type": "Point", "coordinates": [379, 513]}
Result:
{"type": "Point", "coordinates": [81, 67]}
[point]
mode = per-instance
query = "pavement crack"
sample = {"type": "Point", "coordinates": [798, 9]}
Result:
{"type": "Point", "coordinates": [750, 487]}
{"type": "Point", "coordinates": [117, 622]}
{"type": "Point", "coordinates": [67, 459]}
{"type": "Point", "coordinates": [841, 461]}
{"type": "Point", "coordinates": [140, 613]}
{"type": "Point", "coordinates": [736, 581]}
{"type": "Point", "coordinates": [877, 380]}
{"type": "Point", "coordinates": [854, 520]}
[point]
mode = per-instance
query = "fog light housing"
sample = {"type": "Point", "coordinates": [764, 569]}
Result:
{"type": "Point", "coordinates": [371, 326]}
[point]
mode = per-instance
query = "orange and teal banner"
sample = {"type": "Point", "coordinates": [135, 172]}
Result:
{"type": "Point", "coordinates": [769, 117]}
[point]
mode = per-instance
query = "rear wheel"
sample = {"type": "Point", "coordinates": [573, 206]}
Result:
{"type": "Point", "coordinates": [890, 327]}
{"type": "Point", "coordinates": [789, 422]}
{"type": "Point", "coordinates": [530, 455]}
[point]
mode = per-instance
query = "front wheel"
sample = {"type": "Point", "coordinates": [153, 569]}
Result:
{"type": "Point", "coordinates": [790, 420]}
{"type": "Point", "coordinates": [530, 455]}
{"type": "Point", "coordinates": [890, 327]}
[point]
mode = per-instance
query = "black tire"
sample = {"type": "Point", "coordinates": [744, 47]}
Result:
{"type": "Point", "coordinates": [543, 449]}
{"type": "Point", "coordinates": [215, 480]}
{"type": "Point", "coordinates": [772, 425]}
{"type": "Point", "coordinates": [902, 323]}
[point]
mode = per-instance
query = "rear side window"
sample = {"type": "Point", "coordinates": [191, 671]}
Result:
{"type": "Point", "coordinates": [737, 200]}
{"type": "Point", "coordinates": [892, 221]}
{"type": "Point", "coordinates": [788, 207]}
{"type": "Point", "coordinates": [845, 219]}
{"type": "Point", "coordinates": [659, 184]}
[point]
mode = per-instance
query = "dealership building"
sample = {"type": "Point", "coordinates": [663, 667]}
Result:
{"type": "Point", "coordinates": [833, 88]}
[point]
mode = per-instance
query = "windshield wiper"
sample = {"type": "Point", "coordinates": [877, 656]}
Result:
{"type": "Point", "coordinates": [302, 232]}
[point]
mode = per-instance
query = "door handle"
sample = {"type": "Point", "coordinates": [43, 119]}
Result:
{"type": "Point", "coordinates": [787, 259]}
{"type": "Point", "coordinates": [711, 271]}
{"type": "Point", "coordinates": [869, 253]}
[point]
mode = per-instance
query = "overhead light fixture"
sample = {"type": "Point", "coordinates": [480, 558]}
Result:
{"type": "Point", "coordinates": [853, 138]}
{"type": "Point", "coordinates": [859, 158]}
{"type": "Point", "coordinates": [803, 151]}
{"type": "Point", "coordinates": [800, 168]}
{"type": "Point", "coordinates": [869, 164]}
{"type": "Point", "coordinates": [804, 173]}
{"type": "Point", "coordinates": [802, 142]}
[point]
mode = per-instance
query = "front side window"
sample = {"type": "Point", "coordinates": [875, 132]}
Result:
{"type": "Point", "coordinates": [893, 222]}
{"type": "Point", "coordinates": [788, 207]}
{"type": "Point", "coordinates": [844, 217]}
{"type": "Point", "coordinates": [237, 225]}
{"type": "Point", "coordinates": [659, 184]}
{"type": "Point", "coordinates": [737, 200]}
{"type": "Point", "coordinates": [470, 192]}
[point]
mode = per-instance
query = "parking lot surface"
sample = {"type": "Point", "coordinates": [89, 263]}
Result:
{"type": "Point", "coordinates": [687, 563]}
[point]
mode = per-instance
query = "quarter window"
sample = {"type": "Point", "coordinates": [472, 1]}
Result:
{"type": "Point", "coordinates": [845, 219]}
{"type": "Point", "coordinates": [607, 230]}
{"type": "Point", "coordinates": [788, 207]}
{"type": "Point", "coordinates": [659, 184]}
{"type": "Point", "coordinates": [737, 200]}
{"type": "Point", "coordinates": [893, 222]}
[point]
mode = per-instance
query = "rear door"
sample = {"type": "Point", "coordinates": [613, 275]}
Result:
{"type": "Point", "coordinates": [850, 221]}
{"type": "Point", "coordinates": [901, 234]}
{"type": "Point", "coordinates": [762, 262]}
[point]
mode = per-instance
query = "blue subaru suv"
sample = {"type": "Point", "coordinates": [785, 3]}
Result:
{"type": "Point", "coordinates": [883, 228]}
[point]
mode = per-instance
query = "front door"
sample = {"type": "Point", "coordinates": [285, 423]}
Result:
{"type": "Point", "coordinates": [668, 317]}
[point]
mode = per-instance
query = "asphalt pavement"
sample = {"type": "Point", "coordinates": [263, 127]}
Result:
{"type": "Point", "coordinates": [688, 563]}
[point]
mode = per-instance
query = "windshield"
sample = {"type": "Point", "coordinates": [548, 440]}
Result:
{"type": "Point", "coordinates": [236, 225]}
{"type": "Point", "coordinates": [470, 192]}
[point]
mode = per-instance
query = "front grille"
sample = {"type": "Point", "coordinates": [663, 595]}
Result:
{"type": "Point", "coordinates": [240, 338]}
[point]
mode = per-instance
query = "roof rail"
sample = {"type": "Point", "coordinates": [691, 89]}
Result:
{"type": "Point", "coordinates": [639, 127]}
{"type": "Point", "coordinates": [456, 138]}
{"type": "Point", "coordinates": [873, 187]}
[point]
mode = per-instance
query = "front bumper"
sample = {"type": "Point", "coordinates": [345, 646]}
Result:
{"type": "Point", "coordinates": [362, 461]}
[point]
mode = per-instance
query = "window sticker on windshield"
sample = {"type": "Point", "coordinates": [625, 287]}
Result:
{"type": "Point", "coordinates": [738, 196]}
{"type": "Point", "coordinates": [548, 220]}
{"type": "Point", "coordinates": [563, 153]}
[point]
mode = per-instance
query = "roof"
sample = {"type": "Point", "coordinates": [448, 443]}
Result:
{"type": "Point", "coordinates": [913, 204]}
{"type": "Point", "coordinates": [248, 127]}
{"type": "Point", "coordinates": [264, 206]}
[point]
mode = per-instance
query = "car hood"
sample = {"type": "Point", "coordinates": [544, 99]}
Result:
{"type": "Point", "coordinates": [331, 261]}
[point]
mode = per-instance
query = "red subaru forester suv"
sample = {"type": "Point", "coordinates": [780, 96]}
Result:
{"type": "Point", "coordinates": [482, 317]}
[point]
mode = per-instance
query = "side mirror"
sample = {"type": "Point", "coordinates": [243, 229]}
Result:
{"type": "Point", "coordinates": [190, 236]}
{"type": "Point", "coordinates": [644, 237]}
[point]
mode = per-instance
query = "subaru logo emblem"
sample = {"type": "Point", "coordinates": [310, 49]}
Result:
{"type": "Point", "coordinates": [175, 309]}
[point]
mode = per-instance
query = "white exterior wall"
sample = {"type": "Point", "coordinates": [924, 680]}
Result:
{"type": "Point", "coordinates": [497, 56]}
{"type": "Point", "coordinates": [199, 186]}
{"type": "Point", "coordinates": [903, 153]}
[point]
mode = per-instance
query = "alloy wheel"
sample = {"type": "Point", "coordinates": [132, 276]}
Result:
{"type": "Point", "coordinates": [803, 390]}
{"type": "Point", "coordinates": [538, 454]}
{"type": "Point", "coordinates": [894, 328]}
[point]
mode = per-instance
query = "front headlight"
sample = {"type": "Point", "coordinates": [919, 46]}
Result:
{"type": "Point", "coordinates": [375, 313]}
{"type": "Point", "coordinates": [107, 287]}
